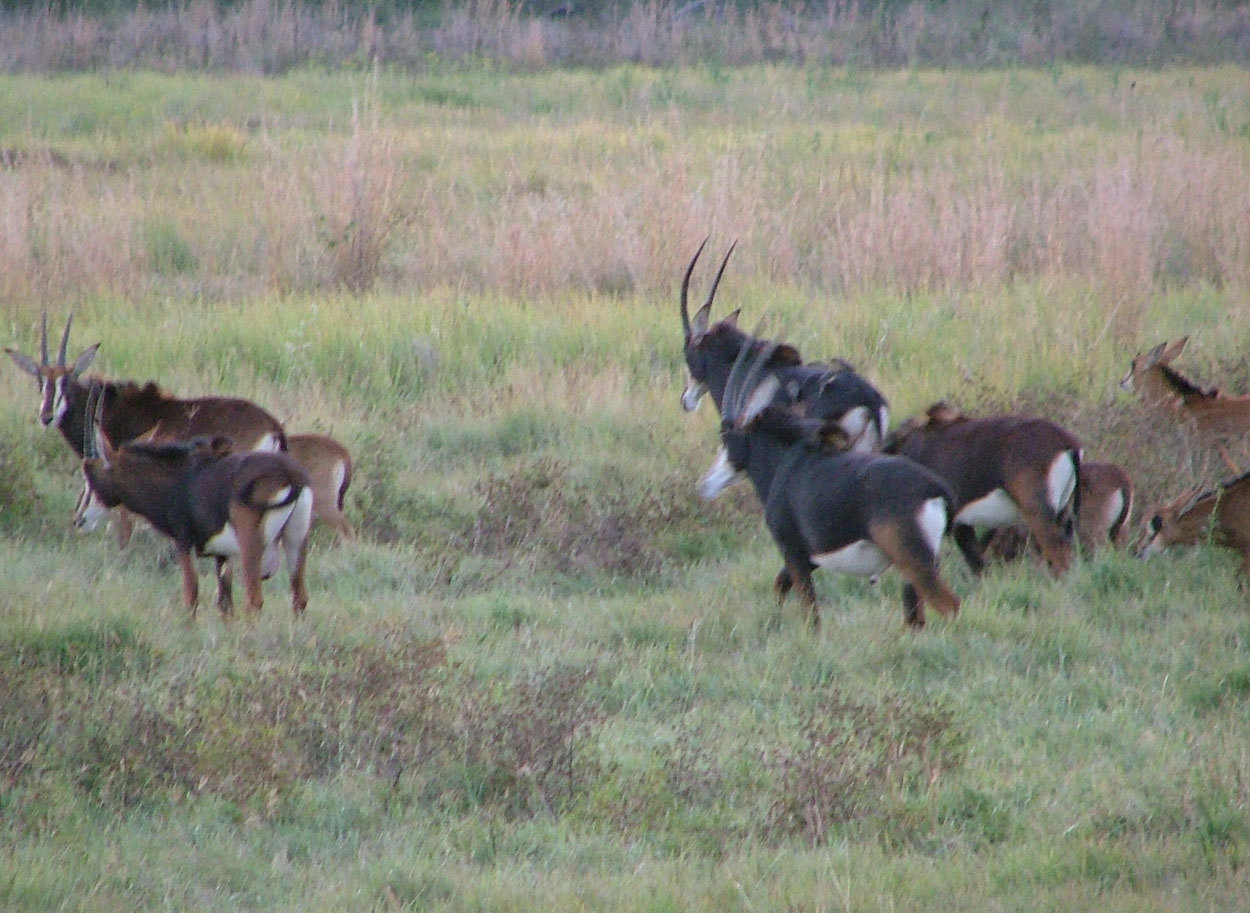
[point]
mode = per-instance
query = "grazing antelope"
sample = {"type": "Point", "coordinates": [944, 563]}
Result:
{"type": "Point", "coordinates": [1221, 513]}
{"type": "Point", "coordinates": [1004, 470]}
{"type": "Point", "coordinates": [130, 411]}
{"type": "Point", "coordinates": [1213, 413]}
{"type": "Point", "coordinates": [853, 512]}
{"type": "Point", "coordinates": [213, 501]}
{"type": "Point", "coordinates": [329, 468]}
{"type": "Point", "coordinates": [818, 390]}
{"type": "Point", "coordinates": [1106, 499]}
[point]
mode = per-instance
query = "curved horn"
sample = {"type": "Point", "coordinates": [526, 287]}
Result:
{"type": "Point", "coordinates": [720, 272]}
{"type": "Point", "coordinates": [94, 401]}
{"type": "Point", "coordinates": [685, 289]}
{"type": "Point", "coordinates": [753, 375]}
{"type": "Point", "coordinates": [60, 359]}
{"type": "Point", "coordinates": [43, 339]}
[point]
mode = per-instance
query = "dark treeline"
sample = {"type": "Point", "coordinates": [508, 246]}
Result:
{"type": "Point", "coordinates": [272, 36]}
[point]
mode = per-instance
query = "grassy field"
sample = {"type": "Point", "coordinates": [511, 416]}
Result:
{"type": "Point", "coordinates": [546, 676]}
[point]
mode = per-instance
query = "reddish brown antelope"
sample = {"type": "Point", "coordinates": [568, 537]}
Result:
{"type": "Point", "coordinates": [213, 501]}
{"type": "Point", "coordinates": [1106, 498]}
{"type": "Point", "coordinates": [818, 390]}
{"type": "Point", "coordinates": [329, 468]}
{"type": "Point", "coordinates": [131, 411]}
{"type": "Point", "coordinates": [853, 512]}
{"type": "Point", "coordinates": [1212, 413]}
{"type": "Point", "coordinates": [1220, 514]}
{"type": "Point", "coordinates": [1004, 470]}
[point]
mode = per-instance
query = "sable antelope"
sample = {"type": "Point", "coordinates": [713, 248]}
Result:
{"type": "Point", "coordinates": [853, 512]}
{"type": "Point", "coordinates": [1004, 470]}
{"type": "Point", "coordinates": [329, 467]}
{"type": "Point", "coordinates": [1213, 413]}
{"type": "Point", "coordinates": [1222, 513]}
{"type": "Point", "coordinates": [1106, 499]}
{"type": "Point", "coordinates": [130, 411]}
{"type": "Point", "coordinates": [818, 390]}
{"type": "Point", "coordinates": [216, 502]}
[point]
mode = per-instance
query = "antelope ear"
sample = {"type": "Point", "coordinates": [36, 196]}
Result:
{"type": "Point", "coordinates": [731, 319]}
{"type": "Point", "coordinates": [1151, 358]}
{"type": "Point", "coordinates": [786, 354]}
{"type": "Point", "coordinates": [698, 323]}
{"type": "Point", "coordinates": [1171, 351]}
{"type": "Point", "coordinates": [83, 360]}
{"type": "Point", "coordinates": [25, 362]}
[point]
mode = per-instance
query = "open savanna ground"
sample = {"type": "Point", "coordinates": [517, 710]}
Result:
{"type": "Point", "coordinates": [546, 676]}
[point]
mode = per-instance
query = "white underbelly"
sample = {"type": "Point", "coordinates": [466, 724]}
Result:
{"type": "Point", "coordinates": [860, 559]}
{"type": "Point", "coordinates": [995, 510]}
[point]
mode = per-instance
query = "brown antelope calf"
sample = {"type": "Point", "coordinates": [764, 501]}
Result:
{"type": "Point", "coordinates": [1221, 513]}
{"type": "Point", "coordinates": [212, 501]}
{"type": "Point", "coordinates": [329, 467]}
{"type": "Point", "coordinates": [1105, 493]}
{"type": "Point", "coordinates": [1212, 413]}
{"type": "Point", "coordinates": [1004, 470]}
{"type": "Point", "coordinates": [129, 411]}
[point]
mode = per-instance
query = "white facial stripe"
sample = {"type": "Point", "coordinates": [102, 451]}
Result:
{"type": "Point", "coordinates": [59, 405]}
{"type": "Point", "coordinates": [90, 510]}
{"type": "Point", "coordinates": [693, 394]}
{"type": "Point", "coordinates": [719, 477]}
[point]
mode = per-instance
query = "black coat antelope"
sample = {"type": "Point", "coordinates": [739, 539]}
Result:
{"type": "Point", "coordinates": [857, 513]}
{"type": "Point", "coordinates": [213, 501]}
{"type": "Point", "coordinates": [1004, 470]}
{"type": "Point", "coordinates": [818, 390]}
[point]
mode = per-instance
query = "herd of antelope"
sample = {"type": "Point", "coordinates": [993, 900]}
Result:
{"type": "Point", "coordinates": [218, 476]}
{"type": "Point", "coordinates": [221, 478]}
{"type": "Point", "coordinates": [841, 491]}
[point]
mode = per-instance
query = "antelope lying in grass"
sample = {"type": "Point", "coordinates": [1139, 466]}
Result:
{"type": "Point", "coordinates": [1222, 514]}
{"type": "Point", "coordinates": [329, 468]}
{"type": "Point", "coordinates": [853, 512]}
{"type": "Point", "coordinates": [1105, 493]}
{"type": "Point", "coordinates": [818, 390]}
{"type": "Point", "coordinates": [1004, 470]}
{"type": "Point", "coordinates": [1212, 413]}
{"type": "Point", "coordinates": [215, 502]}
{"type": "Point", "coordinates": [130, 412]}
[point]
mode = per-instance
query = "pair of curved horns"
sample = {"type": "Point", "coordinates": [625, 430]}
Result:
{"type": "Point", "coordinates": [43, 341]}
{"type": "Point", "coordinates": [699, 324]}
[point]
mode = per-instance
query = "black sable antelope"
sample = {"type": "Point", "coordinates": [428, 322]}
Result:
{"type": "Point", "coordinates": [1004, 470]}
{"type": "Point", "coordinates": [857, 513]}
{"type": "Point", "coordinates": [129, 411]}
{"type": "Point", "coordinates": [212, 501]}
{"type": "Point", "coordinates": [817, 390]}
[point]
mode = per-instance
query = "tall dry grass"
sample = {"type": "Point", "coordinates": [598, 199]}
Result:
{"type": "Point", "coordinates": [601, 205]}
{"type": "Point", "coordinates": [272, 36]}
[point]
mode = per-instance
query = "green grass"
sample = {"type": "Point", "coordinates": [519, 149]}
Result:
{"type": "Point", "coordinates": [547, 676]}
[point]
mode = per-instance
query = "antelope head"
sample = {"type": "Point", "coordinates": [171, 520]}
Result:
{"type": "Point", "coordinates": [1160, 356]}
{"type": "Point", "coordinates": [746, 397]}
{"type": "Point", "coordinates": [1185, 520]}
{"type": "Point", "coordinates": [699, 336]}
{"type": "Point", "coordinates": [53, 378]}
